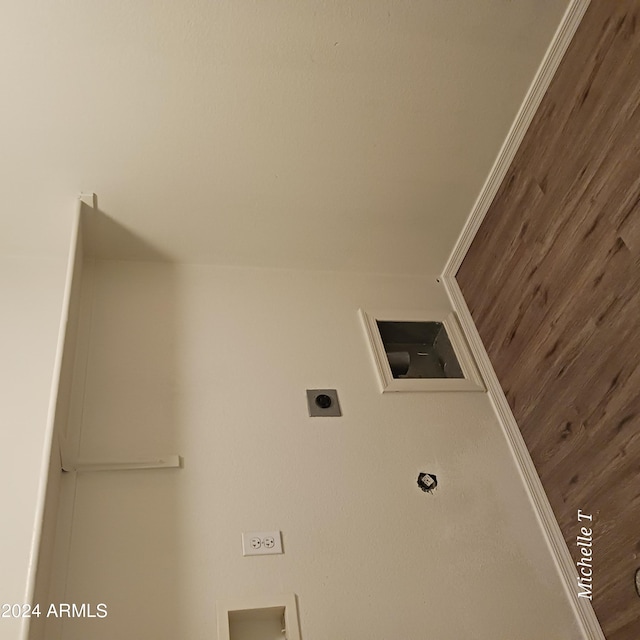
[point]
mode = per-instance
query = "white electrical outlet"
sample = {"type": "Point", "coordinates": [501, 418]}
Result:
{"type": "Point", "coordinates": [261, 543]}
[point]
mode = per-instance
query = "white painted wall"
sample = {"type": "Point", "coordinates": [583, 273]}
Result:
{"type": "Point", "coordinates": [370, 122]}
{"type": "Point", "coordinates": [213, 363]}
{"type": "Point", "coordinates": [31, 291]}
{"type": "Point", "coordinates": [352, 136]}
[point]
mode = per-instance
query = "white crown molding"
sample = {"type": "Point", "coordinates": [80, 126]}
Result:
{"type": "Point", "coordinates": [542, 80]}
{"type": "Point", "coordinates": [551, 530]}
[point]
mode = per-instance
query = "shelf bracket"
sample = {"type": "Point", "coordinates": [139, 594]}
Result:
{"type": "Point", "coordinates": [166, 462]}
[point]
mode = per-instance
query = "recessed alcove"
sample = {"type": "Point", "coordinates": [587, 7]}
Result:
{"type": "Point", "coordinates": [420, 351]}
{"type": "Point", "coordinates": [259, 618]}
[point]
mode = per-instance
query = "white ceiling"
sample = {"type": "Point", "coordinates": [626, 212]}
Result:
{"type": "Point", "coordinates": [351, 134]}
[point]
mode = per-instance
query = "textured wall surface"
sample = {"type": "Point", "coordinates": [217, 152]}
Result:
{"type": "Point", "coordinates": [351, 136]}
{"type": "Point", "coordinates": [31, 292]}
{"type": "Point", "coordinates": [213, 363]}
{"type": "Point", "coordinates": [249, 133]}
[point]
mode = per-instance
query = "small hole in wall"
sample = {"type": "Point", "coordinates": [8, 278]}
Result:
{"type": "Point", "coordinates": [427, 482]}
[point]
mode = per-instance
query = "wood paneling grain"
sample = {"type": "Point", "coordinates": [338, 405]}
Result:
{"type": "Point", "coordinates": [552, 280]}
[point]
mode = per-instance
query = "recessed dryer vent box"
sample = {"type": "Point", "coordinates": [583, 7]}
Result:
{"type": "Point", "coordinates": [415, 351]}
{"type": "Point", "coordinates": [264, 618]}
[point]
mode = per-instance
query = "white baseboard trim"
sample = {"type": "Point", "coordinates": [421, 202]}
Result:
{"type": "Point", "coordinates": [542, 80]}
{"type": "Point", "coordinates": [582, 608]}
{"type": "Point", "coordinates": [551, 530]}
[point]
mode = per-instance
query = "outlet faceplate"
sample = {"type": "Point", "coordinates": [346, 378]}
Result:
{"type": "Point", "coordinates": [261, 543]}
{"type": "Point", "coordinates": [323, 402]}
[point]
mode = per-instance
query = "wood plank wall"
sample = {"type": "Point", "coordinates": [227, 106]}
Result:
{"type": "Point", "coordinates": [553, 283]}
